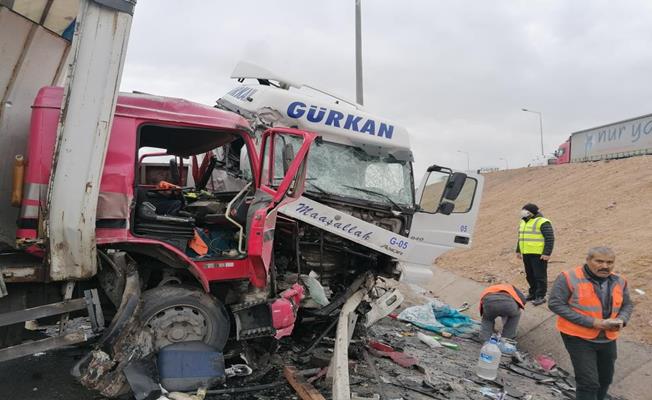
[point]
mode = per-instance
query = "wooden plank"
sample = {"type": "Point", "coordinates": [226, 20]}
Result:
{"type": "Point", "coordinates": [304, 389]}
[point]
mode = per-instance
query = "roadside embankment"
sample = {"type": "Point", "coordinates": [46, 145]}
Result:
{"type": "Point", "coordinates": [590, 204]}
{"type": "Point", "coordinates": [538, 335]}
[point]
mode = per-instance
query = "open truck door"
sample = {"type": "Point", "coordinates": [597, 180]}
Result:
{"type": "Point", "coordinates": [281, 175]}
{"type": "Point", "coordinates": [448, 204]}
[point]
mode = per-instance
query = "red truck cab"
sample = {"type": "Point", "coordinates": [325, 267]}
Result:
{"type": "Point", "coordinates": [201, 240]}
{"type": "Point", "coordinates": [562, 154]}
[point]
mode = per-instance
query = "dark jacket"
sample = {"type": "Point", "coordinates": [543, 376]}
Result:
{"type": "Point", "coordinates": [561, 293]}
{"type": "Point", "coordinates": [548, 236]}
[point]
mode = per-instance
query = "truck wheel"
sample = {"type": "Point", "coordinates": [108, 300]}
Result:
{"type": "Point", "coordinates": [182, 314]}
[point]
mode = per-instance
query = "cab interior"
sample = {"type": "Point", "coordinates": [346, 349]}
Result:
{"type": "Point", "coordinates": [189, 191]}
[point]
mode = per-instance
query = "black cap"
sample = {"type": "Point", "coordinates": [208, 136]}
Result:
{"type": "Point", "coordinates": [531, 207]}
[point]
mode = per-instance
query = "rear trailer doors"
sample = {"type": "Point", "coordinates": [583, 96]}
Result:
{"type": "Point", "coordinates": [281, 174]}
{"type": "Point", "coordinates": [448, 204]}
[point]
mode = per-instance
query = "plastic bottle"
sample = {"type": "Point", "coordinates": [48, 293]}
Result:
{"type": "Point", "coordinates": [507, 346]}
{"type": "Point", "coordinates": [489, 360]}
{"type": "Point", "coordinates": [429, 340]}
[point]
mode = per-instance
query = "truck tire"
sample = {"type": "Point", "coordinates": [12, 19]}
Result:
{"type": "Point", "coordinates": [181, 314]}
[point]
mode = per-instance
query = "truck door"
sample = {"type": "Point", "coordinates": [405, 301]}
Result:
{"type": "Point", "coordinates": [281, 175]}
{"type": "Point", "coordinates": [448, 204]}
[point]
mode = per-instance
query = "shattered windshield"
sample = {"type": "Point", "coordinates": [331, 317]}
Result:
{"type": "Point", "coordinates": [340, 169]}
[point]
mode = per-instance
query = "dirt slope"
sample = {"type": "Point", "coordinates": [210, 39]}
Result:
{"type": "Point", "coordinates": [590, 204]}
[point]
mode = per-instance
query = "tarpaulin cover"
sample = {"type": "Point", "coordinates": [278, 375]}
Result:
{"type": "Point", "coordinates": [439, 317]}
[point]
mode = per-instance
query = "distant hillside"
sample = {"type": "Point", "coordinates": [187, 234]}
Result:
{"type": "Point", "coordinates": [590, 204]}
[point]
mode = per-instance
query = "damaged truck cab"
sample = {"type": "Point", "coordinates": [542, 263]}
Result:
{"type": "Point", "coordinates": [360, 188]}
{"type": "Point", "coordinates": [184, 240]}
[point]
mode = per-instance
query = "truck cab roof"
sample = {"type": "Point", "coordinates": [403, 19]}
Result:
{"type": "Point", "coordinates": [274, 101]}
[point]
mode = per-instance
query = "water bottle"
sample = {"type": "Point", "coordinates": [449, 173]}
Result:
{"type": "Point", "coordinates": [507, 346]}
{"type": "Point", "coordinates": [489, 360]}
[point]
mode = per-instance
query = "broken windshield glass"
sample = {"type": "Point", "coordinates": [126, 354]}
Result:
{"type": "Point", "coordinates": [336, 169]}
{"type": "Point", "coordinates": [340, 169]}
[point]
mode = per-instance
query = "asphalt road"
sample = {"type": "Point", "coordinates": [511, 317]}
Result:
{"type": "Point", "coordinates": [45, 377]}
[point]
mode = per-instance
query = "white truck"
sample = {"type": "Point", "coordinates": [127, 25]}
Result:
{"type": "Point", "coordinates": [360, 189]}
{"type": "Point", "coordinates": [631, 137]}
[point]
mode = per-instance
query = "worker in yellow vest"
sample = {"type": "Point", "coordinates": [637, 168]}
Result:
{"type": "Point", "coordinates": [536, 240]}
{"type": "Point", "coordinates": [593, 305]}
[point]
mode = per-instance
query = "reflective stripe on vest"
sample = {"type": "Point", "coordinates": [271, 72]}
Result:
{"type": "Point", "coordinates": [505, 288]}
{"type": "Point", "coordinates": [585, 301]}
{"type": "Point", "coordinates": [530, 238]}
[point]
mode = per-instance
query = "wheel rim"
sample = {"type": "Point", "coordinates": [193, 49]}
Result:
{"type": "Point", "coordinates": [179, 323]}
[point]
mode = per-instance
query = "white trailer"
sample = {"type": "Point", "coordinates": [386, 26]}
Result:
{"type": "Point", "coordinates": [621, 139]}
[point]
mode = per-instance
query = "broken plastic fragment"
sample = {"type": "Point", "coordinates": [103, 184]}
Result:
{"type": "Point", "coordinates": [315, 289]}
{"type": "Point", "coordinates": [429, 340]}
{"type": "Point", "coordinates": [545, 362]}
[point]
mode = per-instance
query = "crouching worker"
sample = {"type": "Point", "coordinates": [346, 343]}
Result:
{"type": "Point", "coordinates": [592, 304]}
{"type": "Point", "coordinates": [504, 301]}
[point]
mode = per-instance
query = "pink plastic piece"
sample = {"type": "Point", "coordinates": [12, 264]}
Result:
{"type": "Point", "coordinates": [545, 362]}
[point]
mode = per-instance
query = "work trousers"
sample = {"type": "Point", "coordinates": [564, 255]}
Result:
{"type": "Point", "coordinates": [593, 364]}
{"type": "Point", "coordinates": [499, 305]}
{"type": "Point", "coordinates": [536, 273]}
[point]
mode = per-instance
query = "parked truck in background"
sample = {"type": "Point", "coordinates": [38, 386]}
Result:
{"type": "Point", "coordinates": [631, 137]}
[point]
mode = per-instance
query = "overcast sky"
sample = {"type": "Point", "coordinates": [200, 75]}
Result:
{"type": "Point", "coordinates": [455, 73]}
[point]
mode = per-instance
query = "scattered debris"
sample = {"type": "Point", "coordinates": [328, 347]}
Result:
{"type": "Point", "coordinates": [383, 306]}
{"type": "Point", "coordinates": [640, 292]}
{"type": "Point", "coordinates": [429, 340]}
{"type": "Point", "coordinates": [545, 362]}
{"type": "Point", "coordinates": [304, 389]}
{"type": "Point", "coordinates": [399, 357]}
{"type": "Point", "coordinates": [439, 317]}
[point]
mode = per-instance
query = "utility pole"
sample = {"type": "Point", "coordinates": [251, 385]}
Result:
{"type": "Point", "coordinates": [540, 128]}
{"type": "Point", "coordinates": [358, 54]}
{"type": "Point", "coordinates": [468, 160]}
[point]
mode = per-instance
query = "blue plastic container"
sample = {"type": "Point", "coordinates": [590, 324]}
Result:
{"type": "Point", "coordinates": [187, 366]}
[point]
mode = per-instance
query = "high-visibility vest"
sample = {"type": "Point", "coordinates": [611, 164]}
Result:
{"type": "Point", "coordinates": [586, 301]}
{"type": "Point", "coordinates": [505, 288]}
{"type": "Point", "coordinates": [530, 239]}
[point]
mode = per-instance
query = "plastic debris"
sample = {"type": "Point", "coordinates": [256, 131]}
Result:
{"type": "Point", "coordinates": [507, 346]}
{"type": "Point", "coordinates": [438, 317]}
{"type": "Point", "coordinates": [640, 292]}
{"type": "Point", "coordinates": [384, 306]}
{"type": "Point", "coordinates": [385, 350]}
{"type": "Point", "coordinates": [429, 340]}
{"type": "Point", "coordinates": [450, 345]}
{"type": "Point", "coordinates": [493, 393]}
{"type": "Point", "coordinates": [545, 362]}
{"type": "Point", "coordinates": [316, 290]}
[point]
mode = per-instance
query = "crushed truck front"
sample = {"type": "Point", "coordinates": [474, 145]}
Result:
{"type": "Point", "coordinates": [360, 189]}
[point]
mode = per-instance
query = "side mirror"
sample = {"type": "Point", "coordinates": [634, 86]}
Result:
{"type": "Point", "coordinates": [288, 156]}
{"type": "Point", "coordinates": [446, 208]}
{"type": "Point", "coordinates": [454, 186]}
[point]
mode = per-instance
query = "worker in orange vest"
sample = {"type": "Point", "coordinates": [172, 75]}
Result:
{"type": "Point", "coordinates": [592, 304]}
{"type": "Point", "coordinates": [504, 301]}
